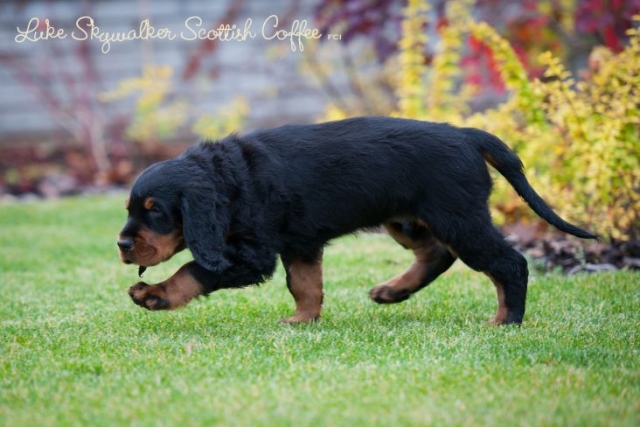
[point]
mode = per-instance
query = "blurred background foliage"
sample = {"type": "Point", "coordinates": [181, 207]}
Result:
{"type": "Point", "coordinates": [577, 130]}
{"type": "Point", "coordinates": [557, 80]}
{"type": "Point", "coordinates": [159, 114]}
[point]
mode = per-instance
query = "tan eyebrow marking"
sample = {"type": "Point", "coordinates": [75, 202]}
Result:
{"type": "Point", "coordinates": [127, 202]}
{"type": "Point", "coordinates": [148, 203]}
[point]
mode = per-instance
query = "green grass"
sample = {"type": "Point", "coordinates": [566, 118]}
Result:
{"type": "Point", "coordinates": [74, 350]}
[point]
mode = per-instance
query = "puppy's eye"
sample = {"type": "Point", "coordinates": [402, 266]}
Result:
{"type": "Point", "coordinates": [155, 211]}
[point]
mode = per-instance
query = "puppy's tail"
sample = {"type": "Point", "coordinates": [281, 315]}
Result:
{"type": "Point", "coordinates": [498, 155]}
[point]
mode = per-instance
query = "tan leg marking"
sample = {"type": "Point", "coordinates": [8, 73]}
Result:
{"type": "Point", "coordinates": [400, 287]}
{"type": "Point", "coordinates": [174, 292]}
{"type": "Point", "coordinates": [432, 259]}
{"type": "Point", "coordinates": [304, 281]}
{"type": "Point", "coordinates": [501, 313]}
{"type": "Point", "coordinates": [399, 237]}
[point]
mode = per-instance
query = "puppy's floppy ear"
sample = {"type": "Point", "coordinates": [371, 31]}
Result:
{"type": "Point", "coordinates": [205, 222]}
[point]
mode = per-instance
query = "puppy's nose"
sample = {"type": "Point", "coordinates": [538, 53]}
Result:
{"type": "Point", "coordinates": [125, 245]}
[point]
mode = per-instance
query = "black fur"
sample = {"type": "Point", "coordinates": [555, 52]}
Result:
{"type": "Point", "coordinates": [245, 200]}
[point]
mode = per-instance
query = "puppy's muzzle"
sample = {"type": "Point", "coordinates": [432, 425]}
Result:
{"type": "Point", "coordinates": [125, 245]}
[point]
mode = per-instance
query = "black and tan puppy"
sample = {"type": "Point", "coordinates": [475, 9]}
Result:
{"type": "Point", "coordinates": [239, 203]}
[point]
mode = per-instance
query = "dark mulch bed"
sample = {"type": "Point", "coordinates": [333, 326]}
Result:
{"type": "Point", "coordinates": [552, 250]}
{"type": "Point", "coordinates": [51, 170]}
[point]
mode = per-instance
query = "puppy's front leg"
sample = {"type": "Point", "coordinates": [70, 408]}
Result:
{"type": "Point", "coordinates": [174, 292]}
{"type": "Point", "coordinates": [304, 280]}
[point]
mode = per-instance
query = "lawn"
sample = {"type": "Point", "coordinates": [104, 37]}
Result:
{"type": "Point", "coordinates": [74, 350]}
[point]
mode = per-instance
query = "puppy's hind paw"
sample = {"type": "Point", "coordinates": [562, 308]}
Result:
{"type": "Point", "coordinates": [383, 294]}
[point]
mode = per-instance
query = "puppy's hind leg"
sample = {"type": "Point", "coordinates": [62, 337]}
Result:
{"type": "Point", "coordinates": [509, 273]}
{"type": "Point", "coordinates": [483, 248]}
{"type": "Point", "coordinates": [432, 259]}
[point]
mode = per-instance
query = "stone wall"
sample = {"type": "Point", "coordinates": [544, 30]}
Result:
{"type": "Point", "coordinates": [42, 82]}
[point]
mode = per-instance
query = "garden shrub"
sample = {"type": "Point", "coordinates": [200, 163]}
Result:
{"type": "Point", "coordinates": [578, 137]}
{"type": "Point", "coordinates": [158, 115]}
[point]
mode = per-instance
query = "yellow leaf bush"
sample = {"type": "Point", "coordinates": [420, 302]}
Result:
{"type": "Point", "coordinates": [579, 138]}
{"type": "Point", "coordinates": [411, 58]}
{"type": "Point", "coordinates": [153, 118]}
{"type": "Point", "coordinates": [157, 116]}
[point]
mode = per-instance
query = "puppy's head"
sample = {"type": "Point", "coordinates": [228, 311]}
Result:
{"type": "Point", "coordinates": [153, 232]}
{"type": "Point", "coordinates": [174, 205]}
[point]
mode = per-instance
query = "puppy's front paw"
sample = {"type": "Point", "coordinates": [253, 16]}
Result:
{"type": "Point", "coordinates": [149, 297]}
{"type": "Point", "coordinates": [301, 318]}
